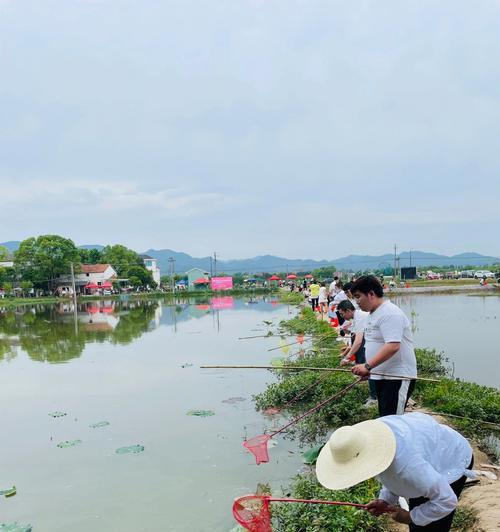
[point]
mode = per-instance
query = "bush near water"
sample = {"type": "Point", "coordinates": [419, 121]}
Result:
{"type": "Point", "coordinates": [476, 404]}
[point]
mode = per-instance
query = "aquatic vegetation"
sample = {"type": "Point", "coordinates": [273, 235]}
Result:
{"type": "Point", "coordinates": [9, 492]}
{"type": "Point", "coordinates": [200, 413]}
{"type": "Point", "coordinates": [320, 518]}
{"type": "Point", "coordinates": [99, 424]}
{"type": "Point", "coordinates": [131, 449]}
{"type": "Point", "coordinates": [68, 443]}
{"type": "Point", "coordinates": [233, 400]}
{"type": "Point", "coordinates": [14, 527]}
{"type": "Point", "coordinates": [57, 414]}
{"type": "Point", "coordinates": [292, 298]}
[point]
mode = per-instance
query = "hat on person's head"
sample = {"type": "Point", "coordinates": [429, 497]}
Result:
{"type": "Point", "coordinates": [355, 453]}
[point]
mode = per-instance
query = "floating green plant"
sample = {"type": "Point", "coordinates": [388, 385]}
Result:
{"type": "Point", "coordinates": [14, 527]}
{"type": "Point", "coordinates": [131, 449]}
{"type": "Point", "coordinates": [8, 493]}
{"type": "Point", "coordinates": [99, 424]}
{"type": "Point", "coordinates": [57, 414]}
{"type": "Point", "coordinates": [68, 443]}
{"type": "Point", "coordinates": [201, 413]}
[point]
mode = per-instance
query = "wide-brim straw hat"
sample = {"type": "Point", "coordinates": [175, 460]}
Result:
{"type": "Point", "coordinates": [355, 453]}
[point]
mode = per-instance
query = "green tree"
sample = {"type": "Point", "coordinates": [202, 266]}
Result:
{"type": "Point", "coordinates": [121, 258]}
{"type": "Point", "coordinates": [90, 256]}
{"type": "Point", "coordinates": [26, 286]}
{"type": "Point", "coordinates": [7, 288]}
{"type": "Point", "coordinates": [145, 277]}
{"type": "Point", "coordinates": [324, 272]}
{"type": "Point", "coordinates": [4, 253]}
{"type": "Point", "coordinates": [44, 258]}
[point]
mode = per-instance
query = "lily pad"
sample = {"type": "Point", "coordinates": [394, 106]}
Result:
{"type": "Point", "coordinates": [310, 456]}
{"type": "Point", "coordinates": [233, 400]}
{"type": "Point", "coordinates": [14, 527]}
{"type": "Point", "coordinates": [99, 424]}
{"type": "Point", "coordinates": [201, 413]}
{"type": "Point", "coordinates": [56, 414]}
{"type": "Point", "coordinates": [68, 443]}
{"type": "Point", "coordinates": [187, 365]}
{"type": "Point", "coordinates": [9, 493]}
{"type": "Point", "coordinates": [133, 449]}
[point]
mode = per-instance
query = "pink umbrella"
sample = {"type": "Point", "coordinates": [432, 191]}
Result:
{"type": "Point", "coordinates": [291, 276]}
{"type": "Point", "coordinates": [308, 276]}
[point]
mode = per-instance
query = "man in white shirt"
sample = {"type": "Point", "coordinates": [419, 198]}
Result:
{"type": "Point", "coordinates": [413, 457]}
{"type": "Point", "coordinates": [332, 289]}
{"type": "Point", "coordinates": [388, 345]}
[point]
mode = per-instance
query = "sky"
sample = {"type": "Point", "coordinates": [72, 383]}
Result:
{"type": "Point", "coordinates": [298, 128]}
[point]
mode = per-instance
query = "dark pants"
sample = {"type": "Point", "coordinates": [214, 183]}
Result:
{"type": "Point", "coordinates": [444, 524]}
{"type": "Point", "coordinates": [393, 395]}
{"type": "Point", "coordinates": [314, 302]}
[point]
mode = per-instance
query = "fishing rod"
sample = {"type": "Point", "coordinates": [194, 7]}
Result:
{"type": "Point", "coordinates": [320, 337]}
{"type": "Point", "coordinates": [311, 368]}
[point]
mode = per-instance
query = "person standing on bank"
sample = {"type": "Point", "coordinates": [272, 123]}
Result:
{"type": "Point", "coordinates": [388, 345]}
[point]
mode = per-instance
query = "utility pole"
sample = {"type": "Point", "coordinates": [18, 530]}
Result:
{"type": "Point", "coordinates": [211, 271]}
{"type": "Point", "coordinates": [394, 273]}
{"type": "Point", "coordinates": [171, 272]}
{"type": "Point", "coordinates": [215, 264]}
{"type": "Point", "coordinates": [75, 309]}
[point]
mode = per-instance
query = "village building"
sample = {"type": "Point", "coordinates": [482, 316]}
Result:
{"type": "Point", "coordinates": [151, 264]}
{"type": "Point", "coordinates": [196, 274]}
{"type": "Point", "coordinates": [89, 279]}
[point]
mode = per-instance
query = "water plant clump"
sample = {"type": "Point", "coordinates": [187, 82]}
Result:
{"type": "Point", "coordinates": [68, 443]}
{"type": "Point", "coordinates": [99, 424]}
{"type": "Point", "coordinates": [319, 518]}
{"type": "Point", "coordinates": [200, 413]}
{"type": "Point", "coordinates": [130, 449]}
{"type": "Point", "coordinates": [15, 527]}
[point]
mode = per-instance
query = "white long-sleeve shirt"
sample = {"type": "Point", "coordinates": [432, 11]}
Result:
{"type": "Point", "coordinates": [429, 457]}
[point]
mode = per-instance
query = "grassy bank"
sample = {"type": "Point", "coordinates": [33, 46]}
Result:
{"type": "Point", "coordinates": [477, 407]}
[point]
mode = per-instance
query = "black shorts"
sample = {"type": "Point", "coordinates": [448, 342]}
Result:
{"type": "Point", "coordinates": [393, 395]}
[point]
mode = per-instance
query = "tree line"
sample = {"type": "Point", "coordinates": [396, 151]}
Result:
{"type": "Point", "coordinates": [40, 261]}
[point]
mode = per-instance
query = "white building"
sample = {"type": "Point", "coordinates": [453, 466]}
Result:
{"type": "Point", "coordinates": [97, 275]}
{"type": "Point", "coordinates": [151, 264]}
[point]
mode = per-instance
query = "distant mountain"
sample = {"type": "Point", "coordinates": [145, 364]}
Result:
{"type": "Point", "coordinates": [92, 246]}
{"type": "Point", "coordinates": [272, 263]}
{"type": "Point", "coordinates": [11, 245]}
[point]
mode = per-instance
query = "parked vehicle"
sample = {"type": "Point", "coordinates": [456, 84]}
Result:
{"type": "Point", "coordinates": [467, 274]}
{"type": "Point", "coordinates": [433, 275]}
{"type": "Point", "coordinates": [481, 274]}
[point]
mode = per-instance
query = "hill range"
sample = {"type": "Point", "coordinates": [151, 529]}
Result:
{"type": "Point", "coordinates": [272, 263]}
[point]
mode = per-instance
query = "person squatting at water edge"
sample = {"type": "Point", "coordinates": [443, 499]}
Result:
{"type": "Point", "coordinates": [412, 456]}
{"type": "Point", "coordinates": [388, 346]}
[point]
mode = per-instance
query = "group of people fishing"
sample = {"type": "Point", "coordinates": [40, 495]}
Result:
{"type": "Point", "coordinates": [421, 464]}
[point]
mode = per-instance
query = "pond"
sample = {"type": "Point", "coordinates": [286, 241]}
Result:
{"type": "Point", "coordinates": [135, 365]}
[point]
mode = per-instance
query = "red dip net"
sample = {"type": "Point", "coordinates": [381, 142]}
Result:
{"type": "Point", "coordinates": [252, 512]}
{"type": "Point", "coordinates": [258, 447]}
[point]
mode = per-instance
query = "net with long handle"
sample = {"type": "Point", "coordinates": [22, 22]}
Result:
{"type": "Point", "coordinates": [258, 444]}
{"type": "Point", "coordinates": [253, 511]}
{"type": "Point", "coordinates": [275, 410]}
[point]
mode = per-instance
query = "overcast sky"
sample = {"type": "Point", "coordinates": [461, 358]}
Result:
{"type": "Point", "coordinates": [306, 129]}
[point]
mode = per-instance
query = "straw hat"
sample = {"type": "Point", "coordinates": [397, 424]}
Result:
{"type": "Point", "coordinates": [355, 453]}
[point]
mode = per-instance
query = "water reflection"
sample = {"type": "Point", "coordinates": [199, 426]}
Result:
{"type": "Point", "coordinates": [58, 333]}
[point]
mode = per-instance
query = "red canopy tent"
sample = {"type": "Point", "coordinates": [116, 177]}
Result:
{"type": "Point", "coordinates": [92, 286]}
{"type": "Point", "coordinates": [107, 284]}
{"type": "Point", "coordinates": [201, 280]}
{"type": "Point", "coordinates": [274, 278]}
{"type": "Point", "coordinates": [291, 276]}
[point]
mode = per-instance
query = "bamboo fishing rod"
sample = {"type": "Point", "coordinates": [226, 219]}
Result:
{"type": "Point", "coordinates": [300, 368]}
{"type": "Point", "coordinates": [272, 335]}
{"type": "Point", "coordinates": [320, 337]}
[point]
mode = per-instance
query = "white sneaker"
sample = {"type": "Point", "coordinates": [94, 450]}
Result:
{"type": "Point", "coordinates": [370, 402]}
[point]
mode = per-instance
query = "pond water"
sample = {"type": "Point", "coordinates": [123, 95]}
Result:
{"type": "Point", "coordinates": [135, 366]}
